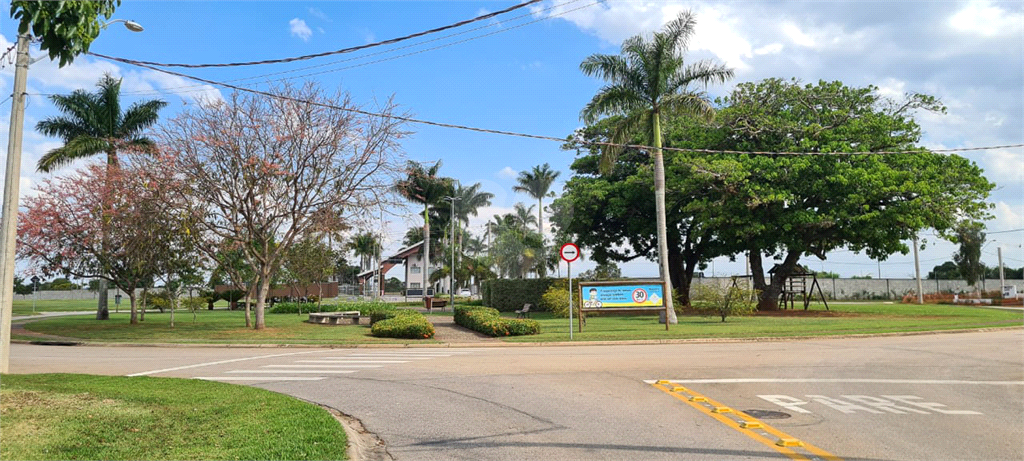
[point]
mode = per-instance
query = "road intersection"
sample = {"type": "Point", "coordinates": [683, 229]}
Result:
{"type": "Point", "coordinates": [937, 396]}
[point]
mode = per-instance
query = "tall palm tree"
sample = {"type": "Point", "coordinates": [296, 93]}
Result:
{"type": "Point", "coordinates": [424, 186]}
{"type": "Point", "coordinates": [650, 78]}
{"type": "Point", "coordinates": [365, 246]}
{"type": "Point", "coordinates": [536, 183]}
{"type": "Point", "coordinates": [93, 124]}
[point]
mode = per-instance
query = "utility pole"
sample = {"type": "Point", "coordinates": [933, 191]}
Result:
{"type": "Point", "coordinates": [917, 270]}
{"type": "Point", "coordinates": [10, 207]}
{"type": "Point", "coordinates": [1002, 279]}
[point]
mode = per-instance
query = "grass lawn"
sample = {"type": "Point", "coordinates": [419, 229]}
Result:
{"type": "Point", "coordinates": [24, 306]}
{"type": "Point", "coordinates": [218, 326]}
{"type": "Point", "coordinates": [64, 416]}
{"type": "Point", "coordinates": [842, 319]}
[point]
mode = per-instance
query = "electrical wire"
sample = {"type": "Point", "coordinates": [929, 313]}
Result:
{"type": "Point", "coordinates": [200, 88]}
{"type": "Point", "coordinates": [330, 53]}
{"type": "Point", "coordinates": [1004, 232]}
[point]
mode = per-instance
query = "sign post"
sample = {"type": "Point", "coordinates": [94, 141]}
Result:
{"type": "Point", "coordinates": [35, 291]}
{"type": "Point", "coordinates": [570, 252]}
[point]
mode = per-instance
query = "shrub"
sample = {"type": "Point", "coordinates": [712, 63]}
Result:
{"type": "Point", "coordinates": [510, 295]}
{"type": "Point", "coordinates": [404, 324]}
{"type": "Point", "coordinates": [723, 301]}
{"type": "Point", "coordinates": [365, 308]}
{"type": "Point", "coordinates": [488, 321]}
{"type": "Point", "coordinates": [556, 298]}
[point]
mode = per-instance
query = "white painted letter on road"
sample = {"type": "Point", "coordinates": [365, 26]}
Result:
{"type": "Point", "coordinates": [787, 402]}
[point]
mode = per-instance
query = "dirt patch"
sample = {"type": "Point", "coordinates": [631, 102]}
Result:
{"type": "Point", "coordinates": [363, 445]}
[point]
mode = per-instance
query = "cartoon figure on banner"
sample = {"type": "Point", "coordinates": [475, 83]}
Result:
{"type": "Point", "coordinates": [592, 303]}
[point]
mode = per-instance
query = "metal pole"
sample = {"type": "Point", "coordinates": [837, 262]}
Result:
{"type": "Point", "coordinates": [451, 241]}
{"type": "Point", "coordinates": [10, 207]}
{"type": "Point", "coordinates": [568, 271]}
{"type": "Point", "coordinates": [917, 269]}
{"type": "Point", "coordinates": [1002, 279]}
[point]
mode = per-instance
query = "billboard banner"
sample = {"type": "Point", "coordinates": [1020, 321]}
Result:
{"type": "Point", "coordinates": [622, 294]}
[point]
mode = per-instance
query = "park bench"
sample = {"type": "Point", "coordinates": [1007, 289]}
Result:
{"type": "Point", "coordinates": [437, 302]}
{"type": "Point", "coordinates": [333, 318]}
{"type": "Point", "coordinates": [524, 313]}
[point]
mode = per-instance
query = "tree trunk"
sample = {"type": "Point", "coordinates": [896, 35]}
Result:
{"type": "Point", "coordinates": [102, 310]}
{"type": "Point", "coordinates": [261, 297]}
{"type": "Point", "coordinates": [426, 251]}
{"type": "Point", "coordinates": [769, 300]}
{"type": "Point", "coordinates": [134, 317]}
{"type": "Point", "coordinates": [659, 203]}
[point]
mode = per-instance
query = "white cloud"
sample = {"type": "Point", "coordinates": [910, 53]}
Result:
{"type": "Point", "coordinates": [317, 13]}
{"type": "Point", "coordinates": [1006, 217]}
{"type": "Point", "coordinates": [508, 173]}
{"type": "Point", "coordinates": [300, 29]}
{"type": "Point", "coordinates": [797, 36]}
{"type": "Point", "coordinates": [771, 48]}
{"type": "Point", "coordinates": [892, 88]}
{"type": "Point", "coordinates": [983, 18]}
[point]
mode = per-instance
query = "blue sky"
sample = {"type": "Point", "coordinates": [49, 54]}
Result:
{"type": "Point", "coordinates": [519, 72]}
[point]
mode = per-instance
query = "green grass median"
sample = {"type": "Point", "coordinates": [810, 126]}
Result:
{"type": "Point", "coordinates": [65, 416]}
{"type": "Point", "coordinates": [221, 326]}
{"type": "Point", "coordinates": [842, 319]}
{"type": "Point", "coordinates": [209, 327]}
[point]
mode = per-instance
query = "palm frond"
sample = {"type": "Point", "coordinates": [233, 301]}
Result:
{"type": "Point", "coordinates": [80, 147]}
{"type": "Point", "coordinates": [689, 103]}
{"type": "Point", "coordinates": [139, 117]}
{"type": "Point", "coordinates": [606, 67]}
{"type": "Point", "coordinates": [614, 100]}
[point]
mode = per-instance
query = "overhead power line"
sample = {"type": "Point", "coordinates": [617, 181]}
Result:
{"type": "Point", "coordinates": [341, 51]}
{"type": "Point", "coordinates": [199, 88]}
{"type": "Point", "coordinates": [527, 135]}
{"type": "Point", "coordinates": [1005, 231]}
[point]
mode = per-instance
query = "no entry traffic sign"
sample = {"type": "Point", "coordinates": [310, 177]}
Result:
{"type": "Point", "coordinates": [570, 252]}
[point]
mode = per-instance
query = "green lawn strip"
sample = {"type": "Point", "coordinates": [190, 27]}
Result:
{"type": "Point", "coordinates": [841, 320]}
{"type": "Point", "coordinates": [213, 327]}
{"type": "Point", "coordinates": [24, 306]}
{"type": "Point", "coordinates": [65, 416]}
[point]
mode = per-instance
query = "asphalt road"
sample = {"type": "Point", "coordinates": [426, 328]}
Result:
{"type": "Point", "coordinates": [924, 397]}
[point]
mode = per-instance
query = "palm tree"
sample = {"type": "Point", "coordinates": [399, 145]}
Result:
{"type": "Point", "coordinates": [536, 183]}
{"type": "Point", "coordinates": [93, 124]}
{"type": "Point", "coordinates": [424, 186]}
{"type": "Point", "coordinates": [647, 79]}
{"type": "Point", "coordinates": [523, 216]}
{"type": "Point", "coordinates": [365, 246]}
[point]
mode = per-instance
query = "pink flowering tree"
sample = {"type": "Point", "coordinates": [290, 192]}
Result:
{"type": "Point", "coordinates": [103, 221]}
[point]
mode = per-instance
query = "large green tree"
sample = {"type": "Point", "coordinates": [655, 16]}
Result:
{"type": "Point", "coordinates": [648, 79]}
{"type": "Point", "coordinates": [838, 194]}
{"type": "Point", "coordinates": [968, 257]}
{"type": "Point", "coordinates": [93, 124]}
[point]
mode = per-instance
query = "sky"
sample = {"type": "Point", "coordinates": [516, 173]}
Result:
{"type": "Point", "coordinates": [520, 72]}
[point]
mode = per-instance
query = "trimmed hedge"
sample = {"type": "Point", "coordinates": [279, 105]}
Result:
{"type": "Point", "coordinates": [509, 295]}
{"type": "Point", "coordinates": [488, 321]}
{"type": "Point", "coordinates": [404, 324]}
{"type": "Point", "coordinates": [365, 308]}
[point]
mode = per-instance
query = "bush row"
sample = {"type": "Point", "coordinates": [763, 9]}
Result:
{"type": "Point", "coordinates": [488, 321]}
{"type": "Point", "coordinates": [364, 307]}
{"type": "Point", "coordinates": [509, 295]}
{"type": "Point", "coordinates": [404, 324]}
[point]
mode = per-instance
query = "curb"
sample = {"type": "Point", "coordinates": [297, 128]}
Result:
{"type": "Point", "coordinates": [639, 342]}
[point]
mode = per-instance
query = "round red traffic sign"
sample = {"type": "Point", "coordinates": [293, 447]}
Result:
{"type": "Point", "coordinates": [570, 252]}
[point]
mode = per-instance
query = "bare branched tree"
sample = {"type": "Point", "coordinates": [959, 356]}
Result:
{"type": "Point", "coordinates": [262, 172]}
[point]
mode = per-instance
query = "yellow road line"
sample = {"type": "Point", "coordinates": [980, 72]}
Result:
{"type": "Point", "coordinates": [746, 426]}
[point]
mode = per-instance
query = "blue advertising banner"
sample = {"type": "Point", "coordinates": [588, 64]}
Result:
{"type": "Point", "coordinates": [621, 294]}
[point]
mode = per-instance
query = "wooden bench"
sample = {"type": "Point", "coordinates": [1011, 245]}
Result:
{"type": "Point", "coordinates": [437, 302]}
{"type": "Point", "coordinates": [333, 318]}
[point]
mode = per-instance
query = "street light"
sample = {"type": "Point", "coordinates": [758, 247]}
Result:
{"type": "Point", "coordinates": [128, 24]}
{"type": "Point", "coordinates": [451, 269]}
{"type": "Point", "coordinates": [12, 175]}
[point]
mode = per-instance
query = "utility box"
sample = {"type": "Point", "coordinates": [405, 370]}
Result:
{"type": "Point", "coordinates": [1010, 292]}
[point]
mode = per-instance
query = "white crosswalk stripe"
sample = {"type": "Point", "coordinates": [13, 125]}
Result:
{"type": "Point", "coordinates": [333, 363]}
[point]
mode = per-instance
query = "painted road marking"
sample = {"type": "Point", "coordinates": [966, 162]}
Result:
{"type": "Point", "coordinates": [259, 378]}
{"type": "Point", "coordinates": [746, 424]}
{"type": "Point", "coordinates": [893, 404]}
{"type": "Point", "coordinates": [841, 381]}
{"type": "Point", "coordinates": [219, 362]}
{"type": "Point", "coordinates": [339, 365]}
{"type": "Point", "coordinates": [351, 361]}
{"type": "Point", "coordinates": [292, 371]}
